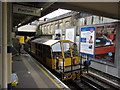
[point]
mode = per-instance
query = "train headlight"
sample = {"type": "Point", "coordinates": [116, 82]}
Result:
{"type": "Point", "coordinates": [74, 61]}
{"type": "Point", "coordinates": [57, 58]}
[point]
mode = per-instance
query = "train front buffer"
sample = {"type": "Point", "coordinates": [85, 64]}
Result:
{"type": "Point", "coordinates": [74, 70]}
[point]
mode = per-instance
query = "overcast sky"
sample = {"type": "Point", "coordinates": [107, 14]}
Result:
{"type": "Point", "coordinates": [56, 13]}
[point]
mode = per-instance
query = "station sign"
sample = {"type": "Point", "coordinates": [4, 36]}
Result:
{"type": "Point", "coordinates": [87, 41]}
{"type": "Point", "coordinates": [20, 9]}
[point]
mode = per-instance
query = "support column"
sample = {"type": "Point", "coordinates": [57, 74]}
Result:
{"type": "Point", "coordinates": [0, 44]}
{"type": "Point", "coordinates": [4, 45]}
{"type": "Point", "coordinates": [9, 39]}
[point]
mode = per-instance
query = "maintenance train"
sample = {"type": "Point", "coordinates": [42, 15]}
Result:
{"type": "Point", "coordinates": [59, 55]}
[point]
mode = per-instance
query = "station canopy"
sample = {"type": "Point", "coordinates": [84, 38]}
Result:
{"type": "Point", "coordinates": [105, 9]}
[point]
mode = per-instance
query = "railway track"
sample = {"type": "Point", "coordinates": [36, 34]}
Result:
{"type": "Point", "coordinates": [92, 82]}
{"type": "Point", "coordinates": [105, 75]}
{"type": "Point", "coordinates": [104, 82]}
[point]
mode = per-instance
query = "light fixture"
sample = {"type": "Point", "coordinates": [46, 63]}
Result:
{"type": "Point", "coordinates": [19, 24]}
{"type": "Point", "coordinates": [41, 8]}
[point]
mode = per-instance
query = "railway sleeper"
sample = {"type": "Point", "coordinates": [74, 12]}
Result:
{"type": "Point", "coordinates": [92, 83]}
{"type": "Point", "coordinates": [112, 84]}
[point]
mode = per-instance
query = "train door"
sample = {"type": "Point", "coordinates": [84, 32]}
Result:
{"type": "Point", "coordinates": [70, 54]}
{"type": "Point", "coordinates": [57, 55]}
{"type": "Point", "coordinates": [67, 57]}
{"type": "Point", "coordinates": [70, 64]}
{"type": "Point", "coordinates": [67, 60]}
{"type": "Point", "coordinates": [67, 53]}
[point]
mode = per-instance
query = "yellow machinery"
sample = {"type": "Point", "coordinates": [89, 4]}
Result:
{"type": "Point", "coordinates": [22, 39]}
{"type": "Point", "coordinates": [60, 55]}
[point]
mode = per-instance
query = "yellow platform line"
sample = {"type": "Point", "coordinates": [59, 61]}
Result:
{"type": "Point", "coordinates": [47, 75]}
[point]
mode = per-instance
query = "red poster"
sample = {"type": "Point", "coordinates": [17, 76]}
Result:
{"type": "Point", "coordinates": [105, 43]}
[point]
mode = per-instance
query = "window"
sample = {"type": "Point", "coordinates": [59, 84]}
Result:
{"type": "Point", "coordinates": [56, 50]}
{"type": "Point", "coordinates": [52, 29]}
{"type": "Point", "coordinates": [74, 49]}
{"type": "Point", "coordinates": [56, 47]}
{"type": "Point", "coordinates": [67, 24]}
{"type": "Point", "coordinates": [66, 47]}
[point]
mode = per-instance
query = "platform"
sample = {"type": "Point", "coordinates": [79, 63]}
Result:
{"type": "Point", "coordinates": [32, 74]}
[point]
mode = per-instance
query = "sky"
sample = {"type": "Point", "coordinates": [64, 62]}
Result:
{"type": "Point", "coordinates": [55, 13]}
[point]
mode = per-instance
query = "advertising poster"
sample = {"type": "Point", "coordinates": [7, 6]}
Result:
{"type": "Point", "coordinates": [58, 34]}
{"type": "Point", "coordinates": [105, 42]}
{"type": "Point", "coordinates": [87, 41]}
{"type": "Point", "coordinates": [70, 34]}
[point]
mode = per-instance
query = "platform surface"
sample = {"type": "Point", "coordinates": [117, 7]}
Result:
{"type": "Point", "coordinates": [32, 74]}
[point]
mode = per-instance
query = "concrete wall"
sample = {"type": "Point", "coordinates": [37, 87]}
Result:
{"type": "Point", "coordinates": [50, 27]}
{"type": "Point", "coordinates": [112, 69]}
{"type": "Point", "coordinates": [91, 20]}
{"type": "Point", "coordinates": [118, 49]}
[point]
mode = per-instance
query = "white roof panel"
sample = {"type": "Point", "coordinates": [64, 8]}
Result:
{"type": "Point", "coordinates": [50, 42]}
{"type": "Point", "coordinates": [45, 41]}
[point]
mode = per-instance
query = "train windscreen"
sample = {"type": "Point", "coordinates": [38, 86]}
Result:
{"type": "Point", "coordinates": [56, 47]}
{"type": "Point", "coordinates": [56, 50]}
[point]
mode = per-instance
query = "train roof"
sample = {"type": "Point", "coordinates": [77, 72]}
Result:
{"type": "Point", "coordinates": [48, 42]}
